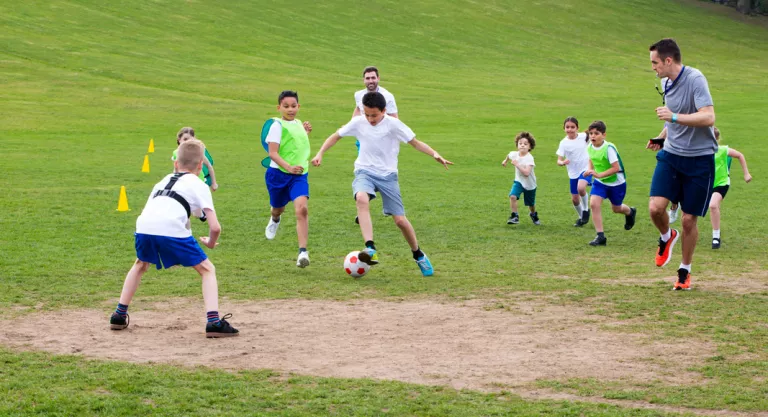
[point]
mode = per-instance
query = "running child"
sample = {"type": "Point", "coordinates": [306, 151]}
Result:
{"type": "Point", "coordinates": [525, 179]}
{"type": "Point", "coordinates": [606, 168]}
{"type": "Point", "coordinates": [286, 177]}
{"type": "Point", "coordinates": [723, 183]}
{"type": "Point", "coordinates": [208, 175]}
{"type": "Point", "coordinates": [163, 237]}
{"type": "Point", "coordinates": [572, 154]}
{"type": "Point", "coordinates": [380, 136]}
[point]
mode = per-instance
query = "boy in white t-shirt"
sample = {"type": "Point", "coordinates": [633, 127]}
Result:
{"type": "Point", "coordinates": [572, 154]}
{"type": "Point", "coordinates": [606, 168]}
{"type": "Point", "coordinates": [163, 236]}
{"type": "Point", "coordinates": [376, 171]}
{"type": "Point", "coordinates": [525, 179]}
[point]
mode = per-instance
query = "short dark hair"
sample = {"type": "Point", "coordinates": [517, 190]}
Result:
{"type": "Point", "coordinates": [598, 125]}
{"type": "Point", "coordinates": [527, 136]}
{"type": "Point", "coordinates": [571, 119]}
{"type": "Point", "coordinates": [371, 69]}
{"type": "Point", "coordinates": [375, 100]}
{"type": "Point", "coordinates": [287, 93]}
{"type": "Point", "coordinates": [667, 48]}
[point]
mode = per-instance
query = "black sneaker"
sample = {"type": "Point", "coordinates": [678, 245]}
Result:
{"type": "Point", "coordinates": [715, 243]}
{"type": "Point", "coordinates": [223, 329]}
{"type": "Point", "coordinates": [357, 220]}
{"type": "Point", "coordinates": [629, 221]}
{"type": "Point", "coordinates": [119, 322]}
{"type": "Point", "coordinates": [535, 218]}
{"type": "Point", "coordinates": [579, 223]}
{"type": "Point", "coordinates": [599, 241]}
{"type": "Point", "coordinates": [513, 220]}
{"type": "Point", "coordinates": [585, 216]}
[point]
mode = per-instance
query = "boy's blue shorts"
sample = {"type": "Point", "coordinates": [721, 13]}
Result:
{"type": "Point", "coordinates": [574, 182]}
{"type": "Point", "coordinates": [529, 196]}
{"type": "Point", "coordinates": [166, 252]}
{"type": "Point", "coordinates": [684, 179]}
{"type": "Point", "coordinates": [615, 194]}
{"type": "Point", "coordinates": [284, 188]}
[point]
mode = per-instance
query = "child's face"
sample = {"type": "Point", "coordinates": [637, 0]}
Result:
{"type": "Point", "coordinates": [596, 137]}
{"type": "Point", "coordinates": [523, 145]}
{"type": "Point", "coordinates": [185, 137]}
{"type": "Point", "coordinates": [571, 129]}
{"type": "Point", "coordinates": [288, 108]}
{"type": "Point", "coordinates": [373, 115]}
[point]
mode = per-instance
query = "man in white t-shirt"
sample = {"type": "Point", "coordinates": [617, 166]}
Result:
{"type": "Point", "coordinates": [371, 81]}
{"type": "Point", "coordinates": [163, 236]}
{"type": "Point", "coordinates": [380, 137]}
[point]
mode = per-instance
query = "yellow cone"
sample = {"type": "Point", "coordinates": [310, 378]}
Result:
{"type": "Point", "coordinates": [122, 203]}
{"type": "Point", "coordinates": [151, 146]}
{"type": "Point", "coordinates": [145, 167]}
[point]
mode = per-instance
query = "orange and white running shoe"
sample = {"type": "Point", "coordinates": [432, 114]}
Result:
{"type": "Point", "coordinates": [683, 280]}
{"type": "Point", "coordinates": [664, 254]}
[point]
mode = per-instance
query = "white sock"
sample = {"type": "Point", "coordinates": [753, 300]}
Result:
{"type": "Point", "coordinates": [585, 202]}
{"type": "Point", "coordinates": [716, 234]}
{"type": "Point", "coordinates": [665, 236]}
{"type": "Point", "coordinates": [577, 207]}
{"type": "Point", "coordinates": [686, 267]}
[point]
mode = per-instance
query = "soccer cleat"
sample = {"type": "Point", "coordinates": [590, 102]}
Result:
{"type": "Point", "coordinates": [599, 241]}
{"type": "Point", "coordinates": [715, 243]}
{"type": "Point", "coordinates": [535, 218]}
{"type": "Point", "coordinates": [369, 256]}
{"type": "Point", "coordinates": [585, 217]}
{"type": "Point", "coordinates": [271, 229]}
{"type": "Point", "coordinates": [119, 322]}
{"type": "Point", "coordinates": [513, 220]}
{"type": "Point", "coordinates": [425, 266]}
{"type": "Point", "coordinates": [579, 222]}
{"type": "Point", "coordinates": [223, 329]}
{"type": "Point", "coordinates": [629, 221]}
{"type": "Point", "coordinates": [673, 214]}
{"type": "Point", "coordinates": [664, 254]}
{"type": "Point", "coordinates": [683, 280]}
{"type": "Point", "coordinates": [303, 260]}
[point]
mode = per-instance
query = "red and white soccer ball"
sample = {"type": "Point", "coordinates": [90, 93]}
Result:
{"type": "Point", "coordinates": [354, 266]}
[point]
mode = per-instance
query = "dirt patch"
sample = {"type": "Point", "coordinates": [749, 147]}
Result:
{"type": "Point", "coordinates": [468, 345]}
{"type": "Point", "coordinates": [749, 283]}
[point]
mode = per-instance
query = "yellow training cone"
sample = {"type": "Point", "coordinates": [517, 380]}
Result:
{"type": "Point", "coordinates": [151, 146]}
{"type": "Point", "coordinates": [122, 203]}
{"type": "Point", "coordinates": [145, 167]}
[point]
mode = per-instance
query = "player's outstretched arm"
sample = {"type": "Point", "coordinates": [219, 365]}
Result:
{"type": "Point", "coordinates": [423, 147]}
{"type": "Point", "coordinates": [733, 153]}
{"type": "Point", "coordinates": [332, 140]}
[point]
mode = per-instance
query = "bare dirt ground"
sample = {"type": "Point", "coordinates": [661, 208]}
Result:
{"type": "Point", "coordinates": [471, 344]}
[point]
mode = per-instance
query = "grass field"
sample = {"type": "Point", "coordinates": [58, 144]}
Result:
{"type": "Point", "coordinates": [86, 84]}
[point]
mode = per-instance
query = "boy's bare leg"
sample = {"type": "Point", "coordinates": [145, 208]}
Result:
{"type": "Point", "coordinates": [132, 281]}
{"type": "Point", "coordinates": [623, 209]}
{"type": "Point", "coordinates": [513, 203]}
{"type": "Point", "coordinates": [407, 229]}
{"type": "Point", "coordinates": [714, 210]}
{"type": "Point", "coordinates": [302, 220]}
{"type": "Point", "coordinates": [362, 201]}
{"type": "Point", "coordinates": [532, 209]}
{"type": "Point", "coordinates": [597, 216]}
{"type": "Point", "coordinates": [210, 287]}
{"type": "Point", "coordinates": [277, 212]}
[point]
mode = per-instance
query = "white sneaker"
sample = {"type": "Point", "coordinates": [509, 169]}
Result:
{"type": "Point", "coordinates": [303, 260]}
{"type": "Point", "coordinates": [271, 230]}
{"type": "Point", "coordinates": [673, 215]}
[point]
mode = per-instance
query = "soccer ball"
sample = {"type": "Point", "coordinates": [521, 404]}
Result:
{"type": "Point", "coordinates": [354, 266]}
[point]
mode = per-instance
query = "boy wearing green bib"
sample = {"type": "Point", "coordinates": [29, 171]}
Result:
{"type": "Point", "coordinates": [606, 168]}
{"type": "Point", "coordinates": [286, 178]}
{"type": "Point", "coordinates": [722, 183]}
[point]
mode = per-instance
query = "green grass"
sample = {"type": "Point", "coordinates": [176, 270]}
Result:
{"type": "Point", "coordinates": [86, 85]}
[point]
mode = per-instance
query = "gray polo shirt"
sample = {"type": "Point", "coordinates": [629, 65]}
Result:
{"type": "Point", "coordinates": [687, 96]}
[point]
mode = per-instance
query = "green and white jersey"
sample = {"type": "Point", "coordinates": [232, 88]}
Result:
{"type": "Point", "coordinates": [602, 158]}
{"type": "Point", "coordinates": [293, 141]}
{"type": "Point", "coordinates": [722, 167]}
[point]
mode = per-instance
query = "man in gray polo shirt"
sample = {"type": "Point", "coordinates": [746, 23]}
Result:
{"type": "Point", "coordinates": [685, 163]}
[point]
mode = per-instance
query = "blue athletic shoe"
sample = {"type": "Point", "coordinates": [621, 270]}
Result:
{"type": "Point", "coordinates": [369, 256]}
{"type": "Point", "coordinates": [425, 266]}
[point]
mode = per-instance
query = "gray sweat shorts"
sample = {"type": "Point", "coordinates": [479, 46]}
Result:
{"type": "Point", "coordinates": [387, 186]}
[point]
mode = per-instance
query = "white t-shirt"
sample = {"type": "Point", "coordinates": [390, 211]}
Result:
{"type": "Point", "coordinates": [612, 157]}
{"type": "Point", "coordinates": [380, 144]}
{"type": "Point", "coordinates": [164, 216]}
{"type": "Point", "coordinates": [575, 150]}
{"type": "Point", "coordinates": [275, 134]}
{"type": "Point", "coordinates": [529, 182]}
{"type": "Point", "coordinates": [391, 105]}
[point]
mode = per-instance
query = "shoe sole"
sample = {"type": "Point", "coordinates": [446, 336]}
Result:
{"type": "Point", "coordinates": [219, 335]}
{"type": "Point", "coordinates": [671, 246]}
{"type": "Point", "coordinates": [117, 326]}
{"type": "Point", "coordinates": [303, 263]}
